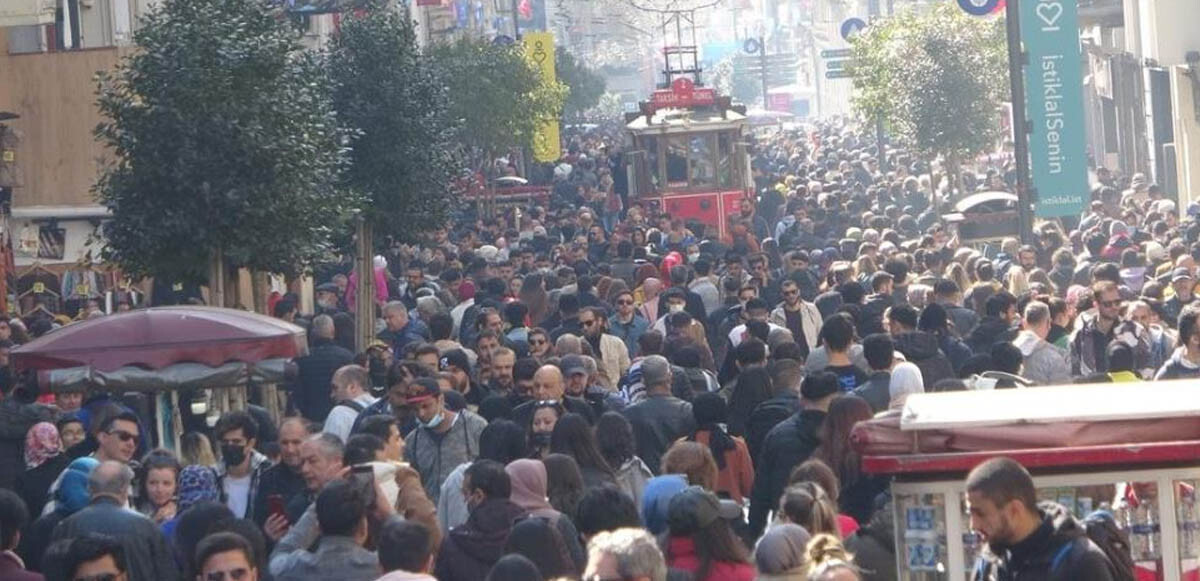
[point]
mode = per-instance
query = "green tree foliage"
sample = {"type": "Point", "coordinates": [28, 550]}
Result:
{"type": "Point", "coordinates": [225, 140]}
{"type": "Point", "coordinates": [495, 94]}
{"type": "Point", "coordinates": [402, 148]}
{"type": "Point", "coordinates": [584, 85]}
{"type": "Point", "coordinates": [936, 79]}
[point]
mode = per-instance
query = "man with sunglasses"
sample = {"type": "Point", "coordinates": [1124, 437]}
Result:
{"type": "Point", "coordinates": [628, 325]}
{"type": "Point", "coordinates": [95, 557]}
{"type": "Point", "coordinates": [144, 547]}
{"type": "Point", "coordinates": [1088, 348]}
{"type": "Point", "coordinates": [225, 557]}
{"type": "Point", "coordinates": [614, 354]}
{"type": "Point", "coordinates": [799, 316]}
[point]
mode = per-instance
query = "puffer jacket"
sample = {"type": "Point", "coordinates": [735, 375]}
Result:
{"type": "Point", "coordinates": [922, 349]}
{"type": "Point", "coordinates": [1045, 364]}
{"type": "Point", "coordinates": [1058, 550]}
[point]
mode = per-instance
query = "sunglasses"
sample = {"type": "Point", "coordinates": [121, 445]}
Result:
{"type": "Point", "coordinates": [625, 302]}
{"type": "Point", "coordinates": [1112, 303]}
{"type": "Point", "coordinates": [101, 577]}
{"type": "Point", "coordinates": [234, 574]}
{"type": "Point", "coordinates": [123, 435]}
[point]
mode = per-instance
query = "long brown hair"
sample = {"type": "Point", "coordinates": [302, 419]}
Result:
{"type": "Point", "coordinates": [694, 461]}
{"type": "Point", "coordinates": [835, 450]}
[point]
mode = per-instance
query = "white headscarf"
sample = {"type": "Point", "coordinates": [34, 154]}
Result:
{"type": "Point", "coordinates": [906, 380]}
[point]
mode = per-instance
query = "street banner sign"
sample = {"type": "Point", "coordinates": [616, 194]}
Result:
{"type": "Point", "coordinates": [837, 53]}
{"type": "Point", "coordinates": [1054, 92]}
{"type": "Point", "coordinates": [539, 49]}
{"type": "Point", "coordinates": [979, 7]}
{"type": "Point", "coordinates": [838, 74]}
{"type": "Point", "coordinates": [852, 26]}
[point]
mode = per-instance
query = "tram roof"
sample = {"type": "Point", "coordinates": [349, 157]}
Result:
{"type": "Point", "coordinates": [668, 121]}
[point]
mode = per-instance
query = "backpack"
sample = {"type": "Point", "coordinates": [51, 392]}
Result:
{"type": "Point", "coordinates": [357, 407]}
{"type": "Point", "coordinates": [1102, 530]}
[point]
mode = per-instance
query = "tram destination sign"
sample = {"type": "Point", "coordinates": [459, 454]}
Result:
{"type": "Point", "coordinates": [683, 93]}
{"type": "Point", "coordinates": [1054, 87]}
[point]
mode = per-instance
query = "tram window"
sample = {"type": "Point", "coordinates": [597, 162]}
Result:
{"type": "Point", "coordinates": [725, 159]}
{"type": "Point", "coordinates": [650, 146]}
{"type": "Point", "coordinates": [701, 157]}
{"type": "Point", "coordinates": [677, 161]}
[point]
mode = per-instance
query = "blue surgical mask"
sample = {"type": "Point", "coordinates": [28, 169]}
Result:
{"type": "Point", "coordinates": [433, 422]}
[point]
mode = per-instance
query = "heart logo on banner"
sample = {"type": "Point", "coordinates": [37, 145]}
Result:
{"type": "Point", "coordinates": [1049, 12]}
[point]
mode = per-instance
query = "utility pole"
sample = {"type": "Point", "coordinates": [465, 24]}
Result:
{"type": "Point", "coordinates": [762, 59]}
{"type": "Point", "coordinates": [1016, 78]}
{"type": "Point", "coordinates": [516, 22]}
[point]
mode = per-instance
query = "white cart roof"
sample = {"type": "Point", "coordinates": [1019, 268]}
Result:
{"type": "Point", "coordinates": [1042, 405]}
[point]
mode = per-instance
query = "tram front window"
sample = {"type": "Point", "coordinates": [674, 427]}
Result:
{"type": "Point", "coordinates": [701, 157]}
{"type": "Point", "coordinates": [677, 161]}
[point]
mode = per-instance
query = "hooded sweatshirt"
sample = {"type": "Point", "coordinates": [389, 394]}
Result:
{"type": "Point", "coordinates": [924, 350]}
{"type": "Point", "coordinates": [1044, 363]}
{"type": "Point", "coordinates": [1178, 367]}
{"type": "Point", "coordinates": [1058, 550]}
{"type": "Point", "coordinates": [470, 551]}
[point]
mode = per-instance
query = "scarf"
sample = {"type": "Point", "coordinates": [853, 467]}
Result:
{"type": "Point", "coordinates": [41, 444]}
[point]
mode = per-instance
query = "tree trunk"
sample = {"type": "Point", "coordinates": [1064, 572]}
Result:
{"type": "Point", "coordinates": [364, 312]}
{"type": "Point", "coordinates": [216, 278]}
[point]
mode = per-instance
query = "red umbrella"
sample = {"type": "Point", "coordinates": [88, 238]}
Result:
{"type": "Point", "coordinates": [162, 336]}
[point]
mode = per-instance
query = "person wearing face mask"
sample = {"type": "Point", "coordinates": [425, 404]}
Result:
{"type": "Point", "coordinates": [443, 438]}
{"type": "Point", "coordinates": [241, 465]}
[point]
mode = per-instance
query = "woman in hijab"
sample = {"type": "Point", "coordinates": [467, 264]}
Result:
{"type": "Point", "coordinates": [541, 543]}
{"type": "Point", "coordinates": [651, 288]}
{"type": "Point", "coordinates": [780, 555]}
{"type": "Point", "coordinates": [514, 567]}
{"type": "Point", "coordinates": [529, 491]}
{"type": "Point", "coordinates": [735, 470]}
{"type": "Point", "coordinates": [196, 484]}
{"type": "Point", "coordinates": [44, 461]}
{"type": "Point", "coordinates": [906, 380]}
{"type": "Point", "coordinates": [70, 498]}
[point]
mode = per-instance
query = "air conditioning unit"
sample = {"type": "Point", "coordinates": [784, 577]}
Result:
{"type": "Point", "coordinates": [26, 12]}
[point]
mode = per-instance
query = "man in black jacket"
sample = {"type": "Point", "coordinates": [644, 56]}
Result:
{"type": "Point", "coordinates": [997, 325]}
{"type": "Point", "coordinates": [661, 418]}
{"type": "Point", "coordinates": [316, 370]}
{"type": "Point", "coordinates": [1025, 539]}
{"type": "Point", "coordinates": [870, 318]}
{"type": "Point", "coordinates": [918, 347]}
{"type": "Point", "coordinates": [549, 385]}
{"type": "Point", "coordinates": [146, 553]}
{"type": "Point", "coordinates": [785, 381]}
{"type": "Point", "coordinates": [789, 444]}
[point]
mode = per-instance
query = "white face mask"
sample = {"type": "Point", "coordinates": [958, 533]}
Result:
{"type": "Point", "coordinates": [692, 258]}
{"type": "Point", "coordinates": [675, 308]}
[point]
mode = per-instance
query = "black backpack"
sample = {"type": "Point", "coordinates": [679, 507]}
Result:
{"type": "Point", "coordinates": [1102, 530]}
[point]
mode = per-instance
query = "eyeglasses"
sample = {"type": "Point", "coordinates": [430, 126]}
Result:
{"type": "Point", "coordinates": [123, 435]}
{"type": "Point", "coordinates": [234, 574]}
{"type": "Point", "coordinates": [626, 302]}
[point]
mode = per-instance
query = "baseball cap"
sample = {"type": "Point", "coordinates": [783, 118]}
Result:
{"type": "Point", "coordinates": [694, 508]}
{"type": "Point", "coordinates": [1181, 273]}
{"type": "Point", "coordinates": [455, 357]}
{"type": "Point", "coordinates": [572, 364]}
{"type": "Point", "coordinates": [421, 389]}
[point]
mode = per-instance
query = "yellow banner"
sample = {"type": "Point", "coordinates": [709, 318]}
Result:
{"type": "Point", "coordinates": [539, 49]}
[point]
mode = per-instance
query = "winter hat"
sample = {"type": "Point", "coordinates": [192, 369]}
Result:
{"type": "Point", "coordinates": [781, 549]}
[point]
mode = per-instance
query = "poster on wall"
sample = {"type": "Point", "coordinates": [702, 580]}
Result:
{"type": "Point", "coordinates": [52, 243]}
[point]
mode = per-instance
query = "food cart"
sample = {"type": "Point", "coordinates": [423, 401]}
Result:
{"type": "Point", "coordinates": [1132, 449]}
{"type": "Point", "coordinates": [213, 353]}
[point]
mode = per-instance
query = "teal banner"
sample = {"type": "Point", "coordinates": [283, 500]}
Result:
{"type": "Point", "coordinates": [1054, 90]}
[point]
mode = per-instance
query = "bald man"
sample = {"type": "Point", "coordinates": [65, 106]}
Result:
{"type": "Point", "coordinates": [548, 385]}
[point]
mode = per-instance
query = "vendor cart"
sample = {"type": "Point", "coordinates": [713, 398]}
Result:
{"type": "Point", "coordinates": [1088, 448]}
{"type": "Point", "coordinates": [213, 353]}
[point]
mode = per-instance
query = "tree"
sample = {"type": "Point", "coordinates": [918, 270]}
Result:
{"type": "Point", "coordinates": [496, 95]}
{"type": "Point", "coordinates": [403, 156]}
{"type": "Point", "coordinates": [402, 149]}
{"type": "Point", "coordinates": [226, 145]}
{"type": "Point", "coordinates": [584, 85]}
{"type": "Point", "coordinates": [935, 79]}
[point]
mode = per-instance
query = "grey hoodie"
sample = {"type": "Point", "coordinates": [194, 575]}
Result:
{"type": "Point", "coordinates": [1045, 364]}
{"type": "Point", "coordinates": [435, 455]}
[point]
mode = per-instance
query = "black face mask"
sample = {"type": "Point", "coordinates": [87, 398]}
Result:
{"type": "Point", "coordinates": [233, 455]}
{"type": "Point", "coordinates": [541, 439]}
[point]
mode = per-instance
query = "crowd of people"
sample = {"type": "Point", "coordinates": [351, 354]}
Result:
{"type": "Point", "coordinates": [591, 388]}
